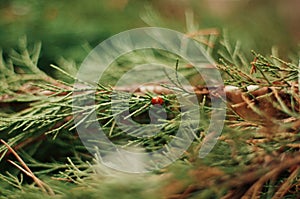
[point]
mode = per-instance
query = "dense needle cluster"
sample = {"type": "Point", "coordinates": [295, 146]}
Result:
{"type": "Point", "coordinates": [257, 154]}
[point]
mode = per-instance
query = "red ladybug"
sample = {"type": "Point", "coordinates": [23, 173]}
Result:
{"type": "Point", "coordinates": [157, 100]}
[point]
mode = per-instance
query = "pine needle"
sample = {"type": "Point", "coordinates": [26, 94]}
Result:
{"type": "Point", "coordinates": [45, 188]}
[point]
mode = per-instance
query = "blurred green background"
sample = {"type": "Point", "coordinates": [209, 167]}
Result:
{"type": "Point", "coordinates": [65, 27]}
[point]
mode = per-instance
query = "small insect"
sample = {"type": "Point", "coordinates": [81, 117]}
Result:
{"type": "Point", "coordinates": [157, 100]}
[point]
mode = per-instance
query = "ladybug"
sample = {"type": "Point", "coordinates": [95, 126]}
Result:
{"type": "Point", "coordinates": [157, 100]}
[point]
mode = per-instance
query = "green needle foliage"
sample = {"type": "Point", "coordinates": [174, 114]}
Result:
{"type": "Point", "coordinates": [251, 159]}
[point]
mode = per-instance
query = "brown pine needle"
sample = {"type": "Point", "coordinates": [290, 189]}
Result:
{"type": "Point", "coordinates": [254, 190]}
{"type": "Point", "coordinates": [286, 185]}
{"type": "Point", "coordinates": [19, 167]}
{"type": "Point", "coordinates": [27, 170]}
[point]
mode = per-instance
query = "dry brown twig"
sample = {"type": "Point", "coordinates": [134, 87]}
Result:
{"type": "Point", "coordinates": [198, 35]}
{"type": "Point", "coordinates": [256, 188]}
{"type": "Point", "coordinates": [288, 183]}
{"type": "Point", "coordinates": [258, 178]}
